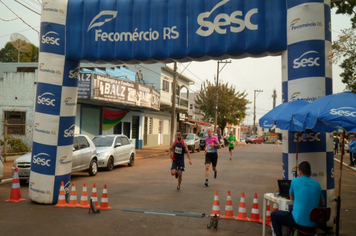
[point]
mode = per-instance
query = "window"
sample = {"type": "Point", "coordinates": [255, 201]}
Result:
{"type": "Point", "coordinates": [124, 141]}
{"type": "Point", "coordinates": [191, 106]}
{"type": "Point", "coordinates": [150, 125]}
{"type": "Point", "coordinates": [83, 142]}
{"type": "Point", "coordinates": [16, 121]}
{"type": "Point", "coordinates": [165, 85]}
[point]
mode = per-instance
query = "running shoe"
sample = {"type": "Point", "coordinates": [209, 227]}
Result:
{"type": "Point", "coordinates": [215, 174]}
{"type": "Point", "coordinates": [178, 187]}
{"type": "Point", "coordinates": [206, 183]}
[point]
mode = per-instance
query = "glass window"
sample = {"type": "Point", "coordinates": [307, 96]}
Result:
{"type": "Point", "coordinates": [16, 121]}
{"type": "Point", "coordinates": [75, 143]}
{"type": "Point", "coordinates": [103, 141]}
{"type": "Point", "coordinates": [124, 141]}
{"type": "Point", "coordinates": [83, 142]}
{"type": "Point", "coordinates": [165, 85]}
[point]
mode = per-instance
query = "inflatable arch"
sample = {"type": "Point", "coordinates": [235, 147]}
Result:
{"type": "Point", "coordinates": [147, 31]}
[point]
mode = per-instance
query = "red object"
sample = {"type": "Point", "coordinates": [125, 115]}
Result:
{"type": "Point", "coordinates": [255, 215]}
{"type": "Point", "coordinates": [15, 195]}
{"type": "Point", "coordinates": [268, 215]}
{"type": "Point", "coordinates": [104, 200]}
{"type": "Point", "coordinates": [73, 197]}
{"type": "Point", "coordinates": [242, 209]}
{"type": "Point", "coordinates": [229, 212]}
{"type": "Point", "coordinates": [84, 198]}
{"type": "Point", "coordinates": [61, 197]}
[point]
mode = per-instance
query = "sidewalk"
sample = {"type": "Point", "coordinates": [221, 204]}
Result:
{"type": "Point", "coordinates": [140, 153]}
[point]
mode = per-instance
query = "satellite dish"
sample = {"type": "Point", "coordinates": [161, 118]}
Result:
{"type": "Point", "coordinates": [21, 43]}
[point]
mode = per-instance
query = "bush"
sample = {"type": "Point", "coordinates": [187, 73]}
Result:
{"type": "Point", "coordinates": [15, 145]}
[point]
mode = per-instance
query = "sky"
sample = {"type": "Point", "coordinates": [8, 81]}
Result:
{"type": "Point", "coordinates": [247, 74]}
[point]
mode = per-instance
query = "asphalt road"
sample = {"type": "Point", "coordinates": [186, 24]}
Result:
{"type": "Point", "coordinates": [148, 186]}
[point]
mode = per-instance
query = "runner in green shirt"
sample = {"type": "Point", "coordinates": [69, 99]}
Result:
{"type": "Point", "coordinates": [232, 141]}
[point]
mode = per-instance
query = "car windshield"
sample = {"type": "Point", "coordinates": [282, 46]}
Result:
{"type": "Point", "coordinates": [103, 141]}
{"type": "Point", "coordinates": [203, 135]}
{"type": "Point", "coordinates": [188, 136]}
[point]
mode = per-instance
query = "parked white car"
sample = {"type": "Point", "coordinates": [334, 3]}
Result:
{"type": "Point", "coordinates": [114, 150]}
{"type": "Point", "coordinates": [84, 158]}
{"type": "Point", "coordinates": [192, 140]}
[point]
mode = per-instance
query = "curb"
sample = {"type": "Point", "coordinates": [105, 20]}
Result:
{"type": "Point", "coordinates": [345, 164]}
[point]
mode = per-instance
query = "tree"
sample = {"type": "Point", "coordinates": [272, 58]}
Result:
{"type": "Point", "coordinates": [231, 106]}
{"type": "Point", "coordinates": [10, 54]}
{"type": "Point", "coordinates": [346, 7]}
{"type": "Point", "coordinates": [345, 49]}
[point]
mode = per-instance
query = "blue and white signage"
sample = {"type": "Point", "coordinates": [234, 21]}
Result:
{"type": "Point", "coordinates": [132, 31]}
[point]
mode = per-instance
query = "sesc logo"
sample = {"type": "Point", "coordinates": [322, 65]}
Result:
{"type": "Point", "coordinates": [69, 132]}
{"type": "Point", "coordinates": [45, 99]}
{"type": "Point", "coordinates": [310, 137]}
{"type": "Point", "coordinates": [295, 96]}
{"type": "Point", "coordinates": [344, 111]}
{"type": "Point", "coordinates": [74, 74]}
{"type": "Point", "coordinates": [307, 60]}
{"type": "Point", "coordinates": [42, 159]}
{"type": "Point", "coordinates": [49, 39]}
{"type": "Point", "coordinates": [109, 14]}
{"type": "Point", "coordinates": [235, 20]}
{"type": "Point", "coordinates": [265, 123]}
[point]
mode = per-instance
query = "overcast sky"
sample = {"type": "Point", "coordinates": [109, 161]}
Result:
{"type": "Point", "coordinates": [245, 74]}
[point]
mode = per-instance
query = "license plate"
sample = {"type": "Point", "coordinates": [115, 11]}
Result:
{"type": "Point", "coordinates": [24, 173]}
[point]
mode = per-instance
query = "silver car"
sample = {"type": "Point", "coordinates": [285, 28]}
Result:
{"type": "Point", "coordinates": [192, 140]}
{"type": "Point", "coordinates": [84, 158]}
{"type": "Point", "coordinates": [1, 169]}
{"type": "Point", "coordinates": [114, 150]}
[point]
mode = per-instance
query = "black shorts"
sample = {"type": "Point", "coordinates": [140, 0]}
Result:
{"type": "Point", "coordinates": [231, 148]}
{"type": "Point", "coordinates": [211, 157]}
{"type": "Point", "coordinates": [178, 164]}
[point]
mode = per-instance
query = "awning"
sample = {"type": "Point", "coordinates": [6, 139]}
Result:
{"type": "Point", "coordinates": [203, 123]}
{"type": "Point", "coordinates": [188, 123]}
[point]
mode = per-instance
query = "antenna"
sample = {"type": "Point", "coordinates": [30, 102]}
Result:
{"type": "Point", "coordinates": [21, 43]}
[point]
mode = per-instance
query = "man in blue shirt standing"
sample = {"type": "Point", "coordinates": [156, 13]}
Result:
{"type": "Point", "coordinates": [306, 194]}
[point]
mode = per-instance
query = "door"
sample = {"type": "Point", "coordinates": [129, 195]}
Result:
{"type": "Point", "coordinates": [127, 129]}
{"type": "Point", "coordinates": [145, 131]}
{"type": "Point", "coordinates": [135, 131]}
{"type": "Point", "coordinates": [76, 154]}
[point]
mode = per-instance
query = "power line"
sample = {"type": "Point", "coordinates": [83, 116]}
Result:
{"type": "Point", "coordinates": [28, 8]}
{"type": "Point", "coordinates": [19, 17]}
{"type": "Point", "coordinates": [9, 20]}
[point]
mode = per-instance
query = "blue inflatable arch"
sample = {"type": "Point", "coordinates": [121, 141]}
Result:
{"type": "Point", "coordinates": [149, 31]}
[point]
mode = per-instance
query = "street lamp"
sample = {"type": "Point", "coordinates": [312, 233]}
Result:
{"type": "Point", "coordinates": [254, 109]}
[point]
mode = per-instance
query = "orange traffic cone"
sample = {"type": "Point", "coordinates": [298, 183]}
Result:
{"type": "Point", "coordinates": [275, 207]}
{"type": "Point", "coordinates": [268, 215]}
{"type": "Point", "coordinates": [61, 197]}
{"type": "Point", "coordinates": [255, 215]}
{"type": "Point", "coordinates": [216, 205]}
{"type": "Point", "coordinates": [242, 209]}
{"type": "Point", "coordinates": [73, 197]}
{"type": "Point", "coordinates": [15, 195]}
{"type": "Point", "coordinates": [229, 213]}
{"type": "Point", "coordinates": [84, 198]}
{"type": "Point", "coordinates": [104, 200]}
{"type": "Point", "coordinates": [94, 196]}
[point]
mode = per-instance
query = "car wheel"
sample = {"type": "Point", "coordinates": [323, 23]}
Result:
{"type": "Point", "coordinates": [198, 149]}
{"type": "Point", "coordinates": [193, 150]}
{"type": "Point", "coordinates": [132, 160]}
{"type": "Point", "coordinates": [93, 167]}
{"type": "Point", "coordinates": [110, 165]}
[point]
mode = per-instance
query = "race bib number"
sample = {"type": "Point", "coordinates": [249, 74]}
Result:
{"type": "Point", "coordinates": [178, 150]}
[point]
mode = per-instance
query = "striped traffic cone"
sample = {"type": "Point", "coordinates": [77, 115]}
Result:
{"type": "Point", "coordinates": [268, 215]}
{"type": "Point", "coordinates": [255, 215]}
{"type": "Point", "coordinates": [61, 197]}
{"type": "Point", "coordinates": [104, 200]}
{"type": "Point", "coordinates": [242, 209]}
{"type": "Point", "coordinates": [73, 197]}
{"type": "Point", "coordinates": [275, 207]}
{"type": "Point", "coordinates": [216, 205]}
{"type": "Point", "coordinates": [94, 196]}
{"type": "Point", "coordinates": [84, 198]}
{"type": "Point", "coordinates": [15, 195]}
{"type": "Point", "coordinates": [229, 213]}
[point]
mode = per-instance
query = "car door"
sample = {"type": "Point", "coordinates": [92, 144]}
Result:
{"type": "Point", "coordinates": [126, 149]}
{"type": "Point", "coordinates": [76, 154]}
{"type": "Point", "coordinates": [117, 150]}
{"type": "Point", "coordinates": [85, 154]}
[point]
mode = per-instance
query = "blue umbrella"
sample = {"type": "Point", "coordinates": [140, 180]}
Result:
{"type": "Point", "coordinates": [326, 114]}
{"type": "Point", "coordinates": [282, 116]}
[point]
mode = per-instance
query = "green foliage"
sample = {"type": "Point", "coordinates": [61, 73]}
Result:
{"type": "Point", "coordinates": [346, 7]}
{"type": "Point", "coordinates": [345, 49]}
{"type": "Point", "coordinates": [15, 145]}
{"type": "Point", "coordinates": [231, 105]}
{"type": "Point", "coordinates": [10, 54]}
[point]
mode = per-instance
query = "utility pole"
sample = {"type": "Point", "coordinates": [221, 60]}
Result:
{"type": "Point", "coordinates": [217, 94]}
{"type": "Point", "coordinates": [254, 110]}
{"type": "Point", "coordinates": [274, 96]}
{"type": "Point", "coordinates": [173, 113]}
